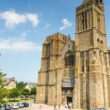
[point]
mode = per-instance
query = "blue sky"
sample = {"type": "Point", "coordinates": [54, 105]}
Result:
{"type": "Point", "coordinates": [24, 25]}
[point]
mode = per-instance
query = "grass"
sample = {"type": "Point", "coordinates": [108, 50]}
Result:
{"type": "Point", "coordinates": [17, 100]}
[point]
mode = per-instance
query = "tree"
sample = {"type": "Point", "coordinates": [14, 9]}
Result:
{"type": "Point", "coordinates": [33, 92]}
{"type": "Point", "coordinates": [3, 94]}
{"type": "Point", "coordinates": [1, 79]}
{"type": "Point", "coordinates": [3, 91]}
{"type": "Point", "coordinates": [14, 93]}
{"type": "Point", "coordinates": [25, 92]}
{"type": "Point", "coordinates": [20, 85]}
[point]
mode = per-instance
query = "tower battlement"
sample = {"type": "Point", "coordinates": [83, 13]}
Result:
{"type": "Point", "coordinates": [57, 36]}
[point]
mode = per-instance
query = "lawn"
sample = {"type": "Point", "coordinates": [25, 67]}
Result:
{"type": "Point", "coordinates": [11, 101]}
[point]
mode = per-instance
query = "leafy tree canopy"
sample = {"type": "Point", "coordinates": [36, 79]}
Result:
{"type": "Point", "coordinates": [3, 91]}
{"type": "Point", "coordinates": [33, 91]}
{"type": "Point", "coordinates": [1, 78]}
{"type": "Point", "coordinates": [25, 92]}
{"type": "Point", "coordinates": [14, 93]}
{"type": "Point", "coordinates": [20, 85]}
{"type": "Point", "coordinates": [3, 94]}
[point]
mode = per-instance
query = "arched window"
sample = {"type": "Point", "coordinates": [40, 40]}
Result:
{"type": "Point", "coordinates": [69, 58]}
{"type": "Point", "coordinates": [98, 43]}
{"type": "Point", "coordinates": [101, 1]}
{"type": "Point", "coordinates": [101, 42]}
{"type": "Point", "coordinates": [96, 1]}
{"type": "Point", "coordinates": [83, 21]}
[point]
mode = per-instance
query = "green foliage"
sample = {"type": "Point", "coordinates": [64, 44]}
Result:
{"type": "Point", "coordinates": [14, 93]}
{"type": "Point", "coordinates": [3, 91]}
{"type": "Point", "coordinates": [33, 91]}
{"type": "Point", "coordinates": [3, 94]}
{"type": "Point", "coordinates": [1, 78]}
{"type": "Point", "coordinates": [25, 92]}
{"type": "Point", "coordinates": [20, 85]}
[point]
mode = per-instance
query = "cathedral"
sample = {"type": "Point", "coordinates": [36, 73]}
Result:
{"type": "Point", "coordinates": [77, 72]}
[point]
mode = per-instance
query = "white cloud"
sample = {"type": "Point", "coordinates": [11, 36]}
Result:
{"type": "Point", "coordinates": [18, 45]}
{"type": "Point", "coordinates": [33, 18]}
{"type": "Point", "coordinates": [66, 24]}
{"type": "Point", "coordinates": [12, 18]}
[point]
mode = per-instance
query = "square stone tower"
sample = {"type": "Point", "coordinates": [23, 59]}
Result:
{"type": "Point", "coordinates": [51, 75]}
{"type": "Point", "coordinates": [91, 89]}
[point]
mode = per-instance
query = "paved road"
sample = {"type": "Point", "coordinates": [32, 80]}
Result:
{"type": "Point", "coordinates": [38, 107]}
{"type": "Point", "coordinates": [41, 107]}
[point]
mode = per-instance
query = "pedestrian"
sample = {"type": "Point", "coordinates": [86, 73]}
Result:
{"type": "Point", "coordinates": [59, 106]}
{"type": "Point", "coordinates": [55, 107]}
{"type": "Point", "coordinates": [40, 107]}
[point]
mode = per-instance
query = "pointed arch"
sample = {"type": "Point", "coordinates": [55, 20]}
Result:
{"type": "Point", "coordinates": [69, 58]}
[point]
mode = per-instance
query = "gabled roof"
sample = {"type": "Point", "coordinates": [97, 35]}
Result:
{"type": "Point", "coordinates": [8, 80]}
{"type": "Point", "coordinates": [31, 84]}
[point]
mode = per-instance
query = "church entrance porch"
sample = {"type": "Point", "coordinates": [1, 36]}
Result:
{"type": "Point", "coordinates": [67, 96]}
{"type": "Point", "coordinates": [69, 100]}
{"type": "Point", "coordinates": [67, 91]}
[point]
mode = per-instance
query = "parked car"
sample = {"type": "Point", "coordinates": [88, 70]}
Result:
{"type": "Point", "coordinates": [8, 107]}
{"type": "Point", "coordinates": [26, 104]}
{"type": "Point", "coordinates": [15, 106]}
{"type": "Point", "coordinates": [21, 105]}
{"type": "Point", "coordinates": [2, 107]}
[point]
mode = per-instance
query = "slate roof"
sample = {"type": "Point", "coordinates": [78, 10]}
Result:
{"type": "Point", "coordinates": [32, 84]}
{"type": "Point", "coordinates": [8, 80]}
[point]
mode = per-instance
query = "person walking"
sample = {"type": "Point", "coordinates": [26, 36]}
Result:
{"type": "Point", "coordinates": [55, 107]}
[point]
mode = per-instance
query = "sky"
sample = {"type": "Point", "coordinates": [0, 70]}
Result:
{"type": "Point", "coordinates": [24, 26]}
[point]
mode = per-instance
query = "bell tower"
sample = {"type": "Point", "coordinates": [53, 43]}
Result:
{"type": "Point", "coordinates": [92, 75]}
{"type": "Point", "coordinates": [90, 25]}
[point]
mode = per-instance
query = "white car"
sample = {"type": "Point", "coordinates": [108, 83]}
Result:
{"type": "Point", "coordinates": [15, 106]}
{"type": "Point", "coordinates": [21, 105]}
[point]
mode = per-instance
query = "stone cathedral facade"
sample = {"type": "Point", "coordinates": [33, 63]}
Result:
{"type": "Point", "coordinates": [77, 72]}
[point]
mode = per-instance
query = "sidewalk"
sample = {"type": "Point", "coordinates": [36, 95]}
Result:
{"type": "Point", "coordinates": [42, 107]}
{"type": "Point", "coordinates": [46, 107]}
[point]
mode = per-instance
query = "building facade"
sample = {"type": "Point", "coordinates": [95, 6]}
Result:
{"type": "Point", "coordinates": [10, 83]}
{"type": "Point", "coordinates": [30, 85]}
{"type": "Point", "coordinates": [77, 72]}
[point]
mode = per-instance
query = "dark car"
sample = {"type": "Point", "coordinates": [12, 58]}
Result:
{"type": "Point", "coordinates": [2, 107]}
{"type": "Point", "coordinates": [26, 104]}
